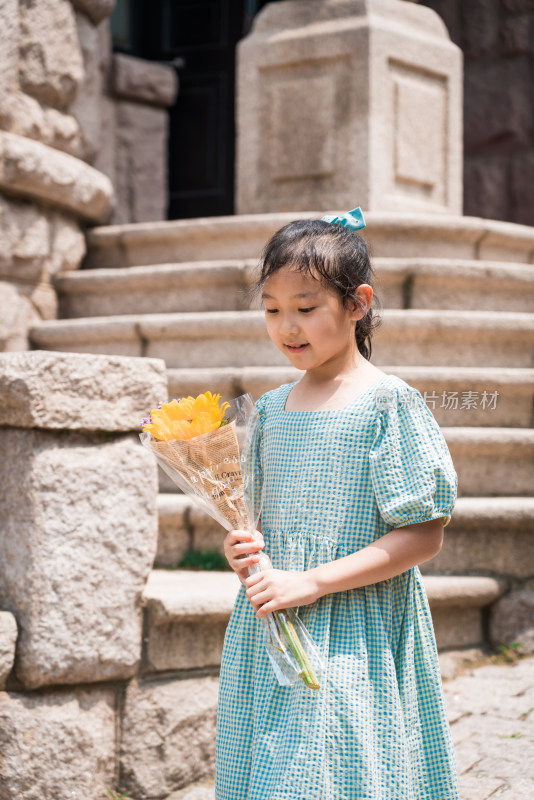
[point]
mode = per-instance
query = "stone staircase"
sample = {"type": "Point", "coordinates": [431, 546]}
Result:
{"type": "Point", "coordinates": [458, 297]}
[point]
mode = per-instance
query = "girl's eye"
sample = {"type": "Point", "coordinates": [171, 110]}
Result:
{"type": "Point", "coordinates": [271, 310]}
{"type": "Point", "coordinates": [306, 310]}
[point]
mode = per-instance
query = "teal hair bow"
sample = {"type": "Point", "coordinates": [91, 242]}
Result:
{"type": "Point", "coordinates": [352, 219]}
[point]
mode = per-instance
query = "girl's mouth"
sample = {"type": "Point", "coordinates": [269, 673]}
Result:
{"type": "Point", "coordinates": [296, 348]}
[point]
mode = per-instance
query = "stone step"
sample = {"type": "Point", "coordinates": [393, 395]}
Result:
{"type": "Point", "coordinates": [489, 461]}
{"type": "Point", "coordinates": [221, 285]}
{"type": "Point", "coordinates": [486, 535]}
{"type": "Point", "coordinates": [167, 288]}
{"type": "Point", "coordinates": [390, 234]}
{"type": "Point", "coordinates": [513, 406]}
{"type": "Point", "coordinates": [186, 614]}
{"type": "Point", "coordinates": [239, 338]}
{"type": "Point", "coordinates": [200, 790]}
{"type": "Point", "coordinates": [492, 461]}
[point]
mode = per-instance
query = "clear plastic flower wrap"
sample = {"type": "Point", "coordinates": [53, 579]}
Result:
{"type": "Point", "coordinates": [217, 470]}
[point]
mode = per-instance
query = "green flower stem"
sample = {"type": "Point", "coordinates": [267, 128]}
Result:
{"type": "Point", "coordinates": [307, 674]}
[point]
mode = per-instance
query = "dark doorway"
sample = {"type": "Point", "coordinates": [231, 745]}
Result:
{"type": "Point", "coordinates": [199, 38]}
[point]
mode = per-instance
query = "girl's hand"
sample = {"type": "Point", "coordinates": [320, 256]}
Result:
{"type": "Point", "coordinates": [274, 589]}
{"type": "Point", "coordinates": [240, 549]}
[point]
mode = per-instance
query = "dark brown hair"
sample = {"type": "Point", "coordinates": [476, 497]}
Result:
{"type": "Point", "coordinates": [333, 254]}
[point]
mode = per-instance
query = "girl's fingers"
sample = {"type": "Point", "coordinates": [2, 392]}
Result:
{"type": "Point", "coordinates": [240, 549]}
{"type": "Point", "coordinates": [246, 547]}
{"type": "Point", "coordinates": [243, 563]}
{"type": "Point", "coordinates": [258, 594]}
{"type": "Point", "coordinates": [254, 579]}
{"type": "Point", "coordinates": [236, 536]}
{"type": "Point", "coordinates": [265, 609]}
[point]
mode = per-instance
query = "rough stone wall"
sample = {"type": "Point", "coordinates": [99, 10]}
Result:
{"type": "Point", "coordinates": [52, 65]}
{"type": "Point", "coordinates": [497, 38]}
{"type": "Point", "coordinates": [75, 123]}
{"type": "Point", "coordinates": [82, 706]}
{"type": "Point", "coordinates": [78, 530]}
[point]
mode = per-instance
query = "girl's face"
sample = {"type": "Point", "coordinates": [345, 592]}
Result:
{"type": "Point", "coordinates": [308, 322]}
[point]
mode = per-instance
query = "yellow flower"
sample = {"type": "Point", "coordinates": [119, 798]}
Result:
{"type": "Point", "coordinates": [186, 418]}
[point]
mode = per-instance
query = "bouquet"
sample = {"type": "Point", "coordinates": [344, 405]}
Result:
{"type": "Point", "coordinates": [196, 441]}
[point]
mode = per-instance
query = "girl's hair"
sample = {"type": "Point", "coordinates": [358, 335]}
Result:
{"type": "Point", "coordinates": [335, 255]}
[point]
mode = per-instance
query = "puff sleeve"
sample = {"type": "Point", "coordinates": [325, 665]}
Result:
{"type": "Point", "coordinates": [411, 469]}
{"type": "Point", "coordinates": [251, 457]}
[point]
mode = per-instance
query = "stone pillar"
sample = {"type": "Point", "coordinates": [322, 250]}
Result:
{"type": "Point", "coordinates": [349, 102]}
{"type": "Point", "coordinates": [134, 152]}
{"type": "Point", "coordinates": [78, 512]}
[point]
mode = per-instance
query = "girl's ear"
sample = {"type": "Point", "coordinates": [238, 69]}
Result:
{"type": "Point", "coordinates": [360, 300]}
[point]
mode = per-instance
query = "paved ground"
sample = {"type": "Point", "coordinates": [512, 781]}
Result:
{"type": "Point", "coordinates": [491, 711]}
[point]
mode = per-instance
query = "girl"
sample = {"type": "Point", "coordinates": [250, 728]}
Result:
{"type": "Point", "coordinates": [356, 485]}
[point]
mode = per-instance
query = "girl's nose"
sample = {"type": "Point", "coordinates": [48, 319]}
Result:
{"type": "Point", "coordinates": [289, 322]}
{"type": "Point", "coordinates": [289, 325]}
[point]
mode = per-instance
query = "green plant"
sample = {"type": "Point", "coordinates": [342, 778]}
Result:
{"type": "Point", "coordinates": [114, 796]}
{"type": "Point", "coordinates": [508, 653]}
{"type": "Point", "coordinates": [203, 560]}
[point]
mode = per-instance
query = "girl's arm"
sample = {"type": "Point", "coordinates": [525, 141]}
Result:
{"type": "Point", "coordinates": [394, 553]}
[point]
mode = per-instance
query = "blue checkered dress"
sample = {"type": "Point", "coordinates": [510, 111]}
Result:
{"type": "Point", "coordinates": [332, 482]}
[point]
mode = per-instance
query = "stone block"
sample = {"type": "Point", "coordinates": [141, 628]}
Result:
{"type": "Point", "coordinates": [318, 87]}
{"type": "Point", "coordinates": [87, 105]}
{"type": "Point", "coordinates": [512, 620]}
{"type": "Point", "coordinates": [60, 744]}
{"type": "Point", "coordinates": [516, 35]}
{"type": "Point", "coordinates": [143, 81]}
{"type": "Point", "coordinates": [9, 36]}
{"type": "Point", "coordinates": [186, 617]}
{"type": "Point", "coordinates": [453, 662]}
{"type": "Point", "coordinates": [34, 245]}
{"type": "Point", "coordinates": [71, 391]}
{"type": "Point", "coordinates": [492, 461]}
{"type": "Point", "coordinates": [25, 116]}
{"type": "Point", "coordinates": [495, 108]}
{"type": "Point", "coordinates": [96, 10]}
{"type": "Point", "coordinates": [25, 240]}
{"type": "Point", "coordinates": [487, 186]}
{"type": "Point", "coordinates": [488, 535]}
{"type": "Point", "coordinates": [139, 290]}
{"type": "Point", "coordinates": [140, 163]}
{"type": "Point", "coordinates": [522, 188]}
{"type": "Point", "coordinates": [67, 246]}
{"type": "Point", "coordinates": [480, 28]}
{"type": "Point", "coordinates": [183, 526]}
{"type": "Point", "coordinates": [105, 156]}
{"type": "Point", "coordinates": [168, 735]}
{"type": "Point", "coordinates": [79, 525]}
{"type": "Point", "coordinates": [516, 6]}
{"type": "Point", "coordinates": [175, 533]}
{"type": "Point", "coordinates": [8, 640]}
{"type": "Point", "coordinates": [39, 172]}
{"type": "Point", "coordinates": [224, 380]}
{"type": "Point", "coordinates": [17, 315]}
{"type": "Point", "coordinates": [44, 299]}
{"type": "Point", "coordinates": [51, 63]}
{"type": "Point", "coordinates": [203, 790]}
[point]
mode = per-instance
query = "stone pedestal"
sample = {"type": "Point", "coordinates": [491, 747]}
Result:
{"type": "Point", "coordinates": [349, 102]}
{"type": "Point", "coordinates": [78, 512]}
